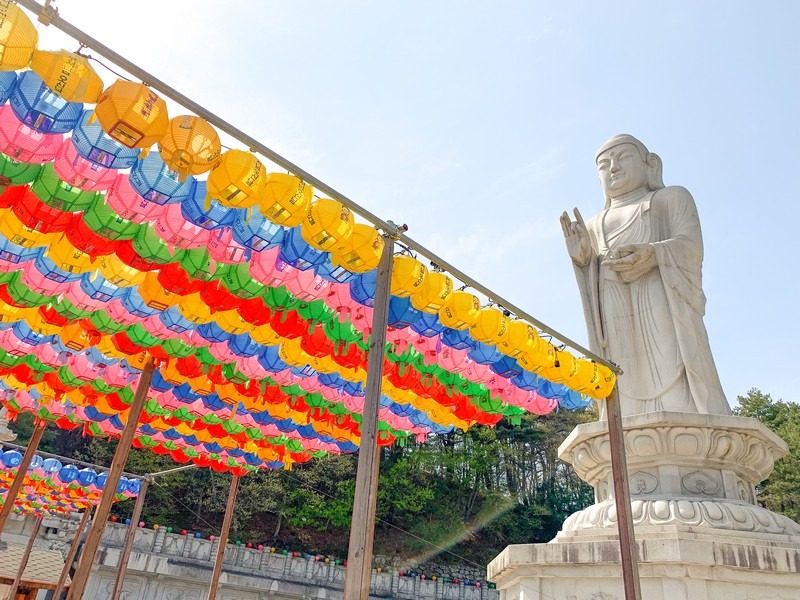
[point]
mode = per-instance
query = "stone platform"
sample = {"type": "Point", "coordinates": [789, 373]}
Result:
{"type": "Point", "coordinates": [700, 532]}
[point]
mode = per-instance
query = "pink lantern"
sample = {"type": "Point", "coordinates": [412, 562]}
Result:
{"type": "Point", "coordinates": [83, 368]}
{"type": "Point", "coordinates": [252, 369]}
{"type": "Point", "coordinates": [479, 373]}
{"type": "Point", "coordinates": [81, 173]}
{"type": "Point", "coordinates": [47, 355]}
{"type": "Point", "coordinates": [222, 352]}
{"type": "Point", "coordinates": [10, 267]}
{"type": "Point", "coordinates": [429, 347]}
{"type": "Point", "coordinates": [156, 327]}
{"type": "Point", "coordinates": [175, 230]}
{"type": "Point", "coordinates": [81, 299]}
{"type": "Point", "coordinates": [20, 142]}
{"type": "Point", "coordinates": [118, 376]}
{"type": "Point", "coordinates": [340, 300]}
{"type": "Point", "coordinates": [13, 345]}
{"type": "Point", "coordinates": [540, 405]}
{"type": "Point", "coordinates": [401, 339]}
{"type": "Point", "coordinates": [285, 377]}
{"type": "Point", "coordinates": [270, 270]}
{"type": "Point", "coordinates": [40, 284]}
{"type": "Point", "coordinates": [128, 204]}
{"type": "Point", "coordinates": [117, 311]}
{"type": "Point", "coordinates": [194, 339]}
{"type": "Point", "coordinates": [307, 285]}
{"type": "Point", "coordinates": [169, 401]}
{"type": "Point", "coordinates": [453, 360]}
{"type": "Point", "coordinates": [223, 248]}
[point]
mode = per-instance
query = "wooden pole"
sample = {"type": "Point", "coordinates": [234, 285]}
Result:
{"type": "Point", "coordinates": [223, 538]}
{"type": "Point", "coordinates": [24, 562]}
{"type": "Point", "coordinates": [122, 565]}
{"type": "Point", "coordinates": [81, 576]}
{"type": "Point", "coordinates": [22, 470]}
{"type": "Point", "coordinates": [73, 550]}
{"type": "Point", "coordinates": [362, 528]}
{"type": "Point", "coordinates": [622, 497]}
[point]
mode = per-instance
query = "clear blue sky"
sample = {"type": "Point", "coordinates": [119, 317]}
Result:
{"type": "Point", "coordinates": [476, 123]}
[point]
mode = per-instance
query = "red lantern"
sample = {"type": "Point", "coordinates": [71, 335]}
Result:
{"type": "Point", "coordinates": [36, 215]}
{"type": "Point", "coordinates": [289, 324]}
{"type": "Point", "coordinates": [84, 239]}
{"type": "Point", "coordinates": [254, 311]}
{"type": "Point", "coordinates": [317, 343]}
{"type": "Point", "coordinates": [217, 297]}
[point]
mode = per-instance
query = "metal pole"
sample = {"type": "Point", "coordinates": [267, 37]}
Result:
{"type": "Point", "coordinates": [362, 528]}
{"type": "Point", "coordinates": [122, 565]}
{"type": "Point", "coordinates": [22, 471]}
{"type": "Point", "coordinates": [629, 554]}
{"type": "Point", "coordinates": [223, 538]}
{"type": "Point", "coordinates": [52, 18]}
{"type": "Point", "coordinates": [24, 562]}
{"type": "Point", "coordinates": [73, 550]}
{"type": "Point", "coordinates": [81, 576]}
{"type": "Point", "coordinates": [171, 471]}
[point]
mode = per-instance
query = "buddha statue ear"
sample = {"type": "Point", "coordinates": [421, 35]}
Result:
{"type": "Point", "coordinates": [655, 179]}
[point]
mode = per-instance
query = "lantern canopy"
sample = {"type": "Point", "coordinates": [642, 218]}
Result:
{"type": "Point", "coordinates": [40, 108]}
{"type": "Point", "coordinates": [68, 74]}
{"type": "Point", "coordinates": [18, 37]}
{"type": "Point", "coordinates": [132, 114]}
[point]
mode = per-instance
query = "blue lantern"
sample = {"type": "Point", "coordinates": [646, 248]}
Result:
{"type": "Point", "coordinates": [208, 214]}
{"type": "Point", "coordinates": [95, 145]}
{"type": "Point", "coordinates": [8, 80]}
{"type": "Point", "coordinates": [68, 473]}
{"type": "Point", "coordinates": [401, 313]}
{"type": "Point", "coordinates": [135, 305]}
{"type": "Point", "coordinates": [27, 335]}
{"type": "Point", "coordinates": [175, 321]}
{"type": "Point", "coordinates": [154, 181]}
{"type": "Point", "coordinates": [40, 108]}
{"type": "Point", "coordinates": [428, 325]}
{"type": "Point", "coordinates": [243, 345]}
{"type": "Point", "coordinates": [48, 268]}
{"type": "Point", "coordinates": [51, 465]}
{"type": "Point", "coordinates": [256, 232]}
{"type": "Point", "coordinates": [484, 354]}
{"type": "Point", "coordinates": [10, 252]}
{"type": "Point", "coordinates": [506, 367]}
{"type": "Point", "coordinates": [11, 459]}
{"type": "Point", "coordinates": [213, 332]}
{"type": "Point", "coordinates": [526, 381]}
{"type": "Point", "coordinates": [86, 476]}
{"type": "Point", "coordinates": [459, 340]}
{"type": "Point", "coordinates": [100, 480]}
{"type": "Point", "coordinates": [362, 289]}
{"type": "Point", "coordinates": [334, 273]}
{"type": "Point", "coordinates": [269, 359]}
{"type": "Point", "coordinates": [98, 287]}
{"type": "Point", "coordinates": [295, 251]}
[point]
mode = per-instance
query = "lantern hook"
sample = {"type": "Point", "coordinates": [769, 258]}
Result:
{"type": "Point", "coordinates": [48, 13]}
{"type": "Point", "coordinates": [394, 231]}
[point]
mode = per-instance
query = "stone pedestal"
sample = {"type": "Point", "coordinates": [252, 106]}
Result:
{"type": "Point", "coordinates": [700, 533]}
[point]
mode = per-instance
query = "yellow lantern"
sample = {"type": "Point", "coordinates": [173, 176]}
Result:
{"type": "Point", "coordinates": [132, 114]}
{"type": "Point", "coordinates": [292, 354]}
{"type": "Point", "coordinates": [75, 337]}
{"type": "Point", "coordinates": [18, 37]}
{"type": "Point", "coordinates": [408, 275]}
{"type": "Point", "coordinates": [265, 335]}
{"type": "Point", "coordinates": [237, 180]}
{"type": "Point", "coordinates": [362, 251]}
{"type": "Point", "coordinates": [323, 364]}
{"type": "Point", "coordinates": [107, 347]}
{"type": "Point", "coordinates": [608, 380]}
{"type": "Point", "coordinates": [564, 368]}
{"type": "Point", "coordinates": [37, 323]}
{"type": "Point", "coordinates": [491, 326]}
{"type": "Point", "coordinates": [202, 385]}
{"type": "Point", "coordinates": [328, 224]}
{"type": "Point", "coordinates": [194, 309]}
{"type": "Point", "coordinates": [431, 295]}
{"type": "Point", "coordinates": [68, 258]}
{"type": "Point", "coordinates": [118, 273]}
{"type": "Point", "coordinates": [587, 378]}
{"type": "Point", "coordinates": [68, 74]}
{"type": "Point", "coordinates": [543, 357]}
{"type": "Point", "coordinates": [286, 199]}
{"type": "Point", "coordinates": [12, 314]}
{"type": "Point", "coordinates": [232, 322]}
{"type": "Point", "coordinates": [191, 146]}
{"type": "Point", "coordinates": [17, 233]}
{"type": "Point", "coordinates": [171, 375]}
{"type": "Point", "coordinates": [521, 339]}
{"type": "Point", "coordinates": [154, 294]}
{"type": "Point", "coordinates": [460, 310]}
{"type": "Point", "coordinates": [229, 394]}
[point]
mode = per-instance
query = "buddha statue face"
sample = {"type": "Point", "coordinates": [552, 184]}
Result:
{"type": "Point", "coordinates": [622, 170]}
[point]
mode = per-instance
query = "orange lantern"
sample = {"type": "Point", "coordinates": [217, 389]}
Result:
{"type": "Point", "coordinates": [18, 37]}
{"type": "Point", "coordinates": [190, 147]}
{"type": "Point", "coordinates": [286, 199]}
{"type": "Point", "coordinates": [328, 224]}
{"type": "Point", "coordinates": [431, 295]}
{"type": "Point", "coordinates": [68, 74]}
{"type": "Point", "coordinates": [132, 114]}
{"type": "Point", "coordinates": [408, 275]}
{"type": "Point", "coordinates": [154, 294]}
{"type": "Point", "coordinates": [362, 250]}
{"type": "Point", "coordinates": [237, 180]}
{"type": "Point", "coordinates": [118, 273]}
{"type": "Point", "coordinates": [68, 258]}
{"type": "Point", "coordinates": [460, 310]}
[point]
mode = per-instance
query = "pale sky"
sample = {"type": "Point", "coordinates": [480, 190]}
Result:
{"type": "Point", "coordinates": [476, 123]}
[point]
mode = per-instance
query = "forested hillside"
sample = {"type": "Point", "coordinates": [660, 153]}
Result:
{"type": "Point", "coordinates": [462, 496]}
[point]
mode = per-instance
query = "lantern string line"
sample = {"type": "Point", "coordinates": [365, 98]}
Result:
{"type": "Point", "coordinates": [71, 461]}
{"type": "Point", "coordinates": [179, 501]}
{"type": "Point", "coordinates": [105, 66]}
{"type": "Point", "coordinates": [397, 233]}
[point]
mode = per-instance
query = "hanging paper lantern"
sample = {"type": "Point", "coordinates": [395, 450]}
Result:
{"type": "Point", "coordinates": [151, 247]}
{"type": "Point", "coordinates": [18, 37]}
{"type": "Point", "coordinates": [68, 74]}
{"type": "Point", "coordinates": [286, 199]}
{"type": "Point", "coordinates": [95, 145]}
{"type": "Point", "coordinates": [256, 231]}
{"type": "Point", "coordinates": [33, 213]}
{"type": "Point", "coordinates": [128, 204]}
{"type": "Point", "coordinates": [13, 172]}
{"type": "Point", "coordinates": [401, 313]}
{"type": "Point", "coordinates": [8, 80]}
{"type": "Point", "coordinates": [430, 296]}
{"type": "Point", "coordinates": [328, 224]}
{"type": "Point", "coordinates": [237, 180]}
{"type": "Point", "coordinates": [191, 146]}
{"type": "Point", "coordinates": [132, 114]}
{"type": "Point", "coordinates": [335, 273]}
{"type": "Point", "coordinates": [460, 310]}
{"type": "Point", "coordinates": [55, 192]}
{"type": "Point", "coordinates": [104, 221]}
{"type": "Point", "coordinates": [75, 170]}
{"type": "Point", "coordinates": [208, 214]}
{"type": "Point", "coordinates": [295, 251]}
{"type": "Point", "coordinates": [362, 250]}
{"type": "Point", "coordinates": [408, 275]}
{"type": "Point", "coordinates": [521, 338]}
{"type": "Point", "coordinates": [223, 248]}
{"type": "Point", "coordinates": [154, 181]}
{"type": "Point", "coordinates": [84, 239]}
{"type": "Point", "coordinates": [20, 142]}
{"type": "Point", "coordinates": [491, 326]}
{"type": "Point", "coordinates": [177, 231]}
{"type": "Point", "coordinates": [39, 108]}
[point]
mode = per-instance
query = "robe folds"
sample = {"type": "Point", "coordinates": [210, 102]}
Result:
{"type": "Point", "coordinates": [650, 321]}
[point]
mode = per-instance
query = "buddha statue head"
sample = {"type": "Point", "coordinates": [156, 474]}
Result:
{"type": "Point", "coordinates": [625, 165]}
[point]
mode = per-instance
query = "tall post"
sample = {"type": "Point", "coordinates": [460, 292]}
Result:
{"type": "Point", "coordinates": [362, 528]}
{"type": "Point", "coordinates": [24, 562]}
{"type": "Point", "coordinates": [223, 538]}
{"type": "Point", "coordinates": [81, 576]}
{"type": "Point", "coordinates": [22, 471]}
{"type": "Point", "coordinates": [73, 550]}
{"type": "Point", "coordinates": [629, 554]}
{"type": "Point", "coordinates": [122, 565]}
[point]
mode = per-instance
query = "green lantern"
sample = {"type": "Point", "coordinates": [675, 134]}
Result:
{"type": "Point", "coordinates": [152, 248]}
{"type": "Point", "coordinates": [56, 193]}
{"type": "Point", "coordinates": [13, 172]}
{"type": "Point", "coordinates": [104, 221]}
